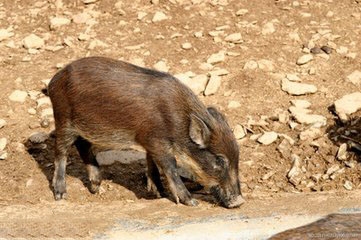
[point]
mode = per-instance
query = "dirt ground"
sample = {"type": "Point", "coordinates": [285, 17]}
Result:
{"type": "Point", "coordinates": [273, 32]}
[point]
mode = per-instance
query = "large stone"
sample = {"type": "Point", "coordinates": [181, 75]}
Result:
{"type": "Point", "coordinates": [347, 105]}
{"type": "Point", "coordinates": [298, 103]}
{"type": "Point", "coordinates": [295, 88]}
{"type": "Point", "coordinates": [310, 134]}
{"type": "Point", "coordinates": [33, 42]}
{"type": "Point", "coordinates": [239, 131]}
{"type": "Point", "coordinates": [213, 85]}
{"type": "Point", "coordinates": [304, 59]}
{"type": "Point", "coordinates": [267, 138]}
{"type": "Point", "coordinates": [354, 77]}
{"type": "Point", "coordinates": [303, 115]}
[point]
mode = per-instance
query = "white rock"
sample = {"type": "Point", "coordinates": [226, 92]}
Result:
{"type": "Point", "coordinates": [216, 58]}
{"type": "Point", "coordinates": [57, 22]}
{"type": "Point", "coordinates": [355, 77]}
{"type": "Point", "coordinates": [159, 16]}
{"type": "Point", "coordinates": [43, 101]}
{"type": "Point", "coordinates": [347, 105]}
{"type": "Point", "coordinates": [268, 138]}
{"type": "Point", "coordinates": [241, 12]}
{"type": "Point", "coordinates": [3, 155]}
{"type": "Point", "coordinates": [219, 72]}
{"type": "Point", "coordinates": [239, 131]}
{"type": "Point", "coordinates": [234, 38]}
{"type": "Point", "coordinates": [33, 41]}
{"type": "Point", "coordinates": [348, 185]}
{"type": "Point", "coordinates": [161, 66]}
{"type": "Point", "coordinates": [96, 43]}
{"type": "Point", "coordinates": [268, 28]}
{"type": "Point", "coordinates": [304, 59]}
{"type": "Point", "coordinates": [342, 152]}
{"type": "Point", "coordinates": [303, 115]}
{"type": "Point", "coordinates": [234, 104]}
{"type": "Point", "coordinates": [250, 65]}
{"type": "Point", "coordinates": [294, 36]}
{"type": "Point", "coordinates": [18, 96]}
{"type": "Point", "coordinates": [47, 112]}
{"type": "Point", "coordinates": [342, 50]}
{"type": "Point", "coordinates": [265, 65]}
{"type": "Point", "coordinates": [186, 45]}
{"type": "Point", "coordinates": [213, 85]}
{"type": "Point", "coordinates": [38, 137]}
{"type": "Point", "coordinates": [294, 175]}
{"type": "Point", "coordinates": [81, 18]}
{"type": "Point", "coordinates": [5, 34]}
{"type": "Point", "coordinates": [141, 15]}
{"type": "Point", "coordinates": [83, 37]}
{"type": "Point", "coordinates": [310, 134]}
{"type": "Point", "coordinates": [295, 88]}
{"type": "Point", "coordinates": [293, 77]}
{"type": "Point", "coordinates": [206, 66]}
{"type": "Point", "coordinates": [3, 143]}
{"type": "Point", "coordinates": [2, 123]}
{"type": "Point", "coordinates": [197, 84]}
{"type": "Point", "coordinates": [298, 103]}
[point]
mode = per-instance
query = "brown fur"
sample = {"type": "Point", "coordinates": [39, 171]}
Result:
{"type": "Point", "coordinates": [106, 102]}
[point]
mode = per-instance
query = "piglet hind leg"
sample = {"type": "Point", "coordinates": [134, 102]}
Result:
{"type": "Point", "coordinates": [63, 143]}
{"type": "Point", "coordinates": [84, 148]}
{"type": "Point", "coordinates": [154, 184]}
{"type": "Point", "coordinates": [166, 164]}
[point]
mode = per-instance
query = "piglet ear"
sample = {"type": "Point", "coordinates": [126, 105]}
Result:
{"type": "Point", "coordinates": [199, 132]}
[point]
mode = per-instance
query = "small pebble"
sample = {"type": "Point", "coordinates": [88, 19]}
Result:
{"type": "Point", "coordinates": [186, 46]}
{"type": "Point", "coordinates": [2, 123]}
{"type": "Point", "coordinates": [348, 185]}
{"type": "Point", "coordinates": [326, 49]}
{"type": "Point", "coordinates": [304, 59]}
{"type": "Point", "coordinates": [268, 138]}
{"type": "Point", "coordinates": [3, 143]}
{"type": "Point", "coordinates": [316, 50]}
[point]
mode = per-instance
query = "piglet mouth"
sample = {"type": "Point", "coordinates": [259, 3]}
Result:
{"type": "Point", "coordinates": [226, 200]}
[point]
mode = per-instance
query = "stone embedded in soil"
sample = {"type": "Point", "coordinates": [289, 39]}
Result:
{"type": "Point", "coordinates": [213, 85]}
{"type": "Point", "coordinates": [219, 72]}
{"type": "Point", "coordinates": [47, 112]}
{"type": "Point", "coordinates": [234, 38]}
{"type": "Point", "coordinates": [267, 138]}
{"type": "Point", "coordinates": [347, 105]}
{"type": "Point", "coordinates": [348, 185]}
{"type": "Point", "coordinates": [161, 66]}
{"type": "Point", "coordinates": [38, 137]}
{"type": "Point", "coordinates": [81, 18]}
{"type": "Point", "coordinates": [43, 101]}
{"type": "Point", "coordinates": [141, 15]}
{"type": "Point", "coordinates": [3, 155]}
{"type": "Point", "coordinates": [265, 65]}
{"type": "Point", "coordinates": [3, 143]}
{"type": "Point", "coordinates": [96, 43]}
{"type": "Point", "coordinates": [18, 96]}
{"type": "Point", "coordinates": [268, 28]}
{"type": "Point", "coordinates": [250, 65]}
{"type": "Point", "coordinates": [342, 152]}
{"type": "Point", "coordinates": [241, 12]}
{"type": "Point", "coordinates": [234, 104]}
{"type": "Point", "coordinates": [285, 149]}
{"type": "Point", "coordinates": [326, 49]}
{"type": "Point", "coordinates": [303, 115]}
{"type": "Point", "coordinates": [197, 84]}
{"type": "Point", "coordinates": [304, 59]}
{"type": "Point", "coordinates": [216, 58]}
{"type": "Point", "coordinates": [295, 173]}
{"type": "Point", "coordinates": [310, 134]}
{"type": "Point", "coordinates": [5, 34]}
{"type": "Point", "coordinates": [293, 77]}
{"type": "Point", "coordinates": [57, 22]}
{"type": "Point", "coordinates": [354, 77]}
{"type": "Point", "coordinates": [239, 131]}
{"type": "Point", "coordinates": [186, 46]}
{"type": "Point", "coordinates": [33, 42]}
{"type": "Point", "coordinates": [2, 123]}
{"type": "Point", "coordinates": [159, 16]}
{"type": "Point", "coordinates": [295, 88]}
{"type": "Point", "coordinates": [298, 103]}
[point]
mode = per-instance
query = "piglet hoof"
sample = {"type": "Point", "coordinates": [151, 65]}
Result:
{"type": "Point", "coordinates": [59, 189]}
{"type": "Point", "coordinates": [94, 187]}
{"type": "Point", "coordinates": [191, 202]}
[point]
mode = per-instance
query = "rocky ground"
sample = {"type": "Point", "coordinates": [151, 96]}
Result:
{"type": "Point", "coordinates": [287, 74]}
